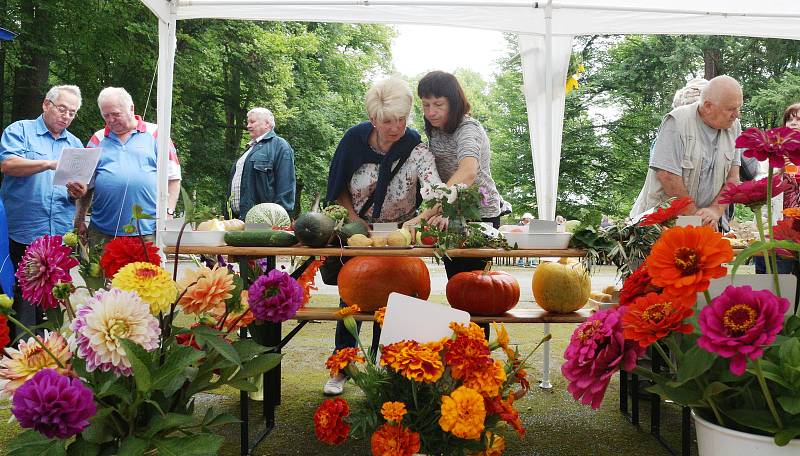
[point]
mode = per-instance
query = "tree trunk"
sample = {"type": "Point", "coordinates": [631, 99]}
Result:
{"type": "Point", "coordinates": [712, 59]}
{"type": "Point", "coordinates": [233, 103]}
{"type": "Point", "coordinates": [36, 47]}
{"type": "Point", "coordinates": [298, 193]}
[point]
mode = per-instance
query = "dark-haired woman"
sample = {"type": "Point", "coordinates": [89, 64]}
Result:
{"type": "Point", "coordinates": [461, 149]}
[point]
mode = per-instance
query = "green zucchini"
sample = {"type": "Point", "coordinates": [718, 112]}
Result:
{"type": "Point", "coordinates": [260, 238]}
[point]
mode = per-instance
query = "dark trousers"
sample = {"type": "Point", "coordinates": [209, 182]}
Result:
{"type": "Point", "coordinates": [455, 265]}
{"type": "Point", "coordinates": [25, 312]}
{"type": "Point", "coordinates": [343, 337]}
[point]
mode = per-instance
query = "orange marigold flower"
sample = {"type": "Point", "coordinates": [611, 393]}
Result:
{"type": "Point", "coordinates": [503, 340]}
{"type": "Point", "coordinates": [413, 360]}
{"type": "Point", "coordinates": [686, 258]}
{"type": "Point", "coordinates": [793, 212]}
{"type": "Point", "coordinates": [504, 409]}
{"type": "Point", "coordinates": [328, 423]}
{"type": "Point", "coordinates": [488, 380]}
{"type": "Point", "coordinates": [342, 358]}
{"type": "Point", "coordinates": [393, 411]}
{"type": "Point", "coordinates": [379, 314]}
{"type": "Point", "coordinates": [389, 440]}
{"type": "Point", "coordinates": [463, 413]}
{"type": "Point", "coordinates": [349, 310]}
{"type": "Point", "coordinates": [464, 354]}
{"type": "Point", "coordinates": [471, 330]}
{"type": "Point", "coordinates": [654, 316]}
{"type": "Point", "coordinates": [495, 445]}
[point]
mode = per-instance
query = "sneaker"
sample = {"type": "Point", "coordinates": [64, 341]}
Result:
{"type": "Point", "coordinates": [334, 386]}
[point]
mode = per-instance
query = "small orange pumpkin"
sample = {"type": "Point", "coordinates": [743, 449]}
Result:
{"type": "Point", "coordinates": [483, 292]}
{"type": "Point", "coordinates": [367, 281]}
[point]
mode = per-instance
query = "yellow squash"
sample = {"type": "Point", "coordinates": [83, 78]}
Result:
{"type": "Point", "coordinates": [561, 288]}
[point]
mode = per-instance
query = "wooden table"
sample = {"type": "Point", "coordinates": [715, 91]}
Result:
{"type": "Point", "coordinates": [272, 332]}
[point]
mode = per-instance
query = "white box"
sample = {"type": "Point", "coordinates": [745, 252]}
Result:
{"type": "Point", "coordinates": [388, 227]}
{"type": "Point", "coordinates": [689, 220]}
{"type": "Point", "coordinates": [194, 238]}
{"type": "Point", "coordinates": [538, 240]}
{"type": "Point", "coordinates": [542, 226]}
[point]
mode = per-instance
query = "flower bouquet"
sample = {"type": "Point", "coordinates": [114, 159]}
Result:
{"type": "Point", "coordinates": [448, 397]}
{"type": "Point", "coordinates": [734, 359]}
{"type": "Point", "coordinates": [119, 361]}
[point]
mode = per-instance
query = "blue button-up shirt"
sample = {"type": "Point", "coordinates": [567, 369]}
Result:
{"type": "Point", "coordinates": [35, 206]}
{"type": "Point", "coordinates": [126, 175]}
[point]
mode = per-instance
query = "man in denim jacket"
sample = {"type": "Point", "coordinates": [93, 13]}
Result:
{"type": "Point", "coordinates": [265, 172]}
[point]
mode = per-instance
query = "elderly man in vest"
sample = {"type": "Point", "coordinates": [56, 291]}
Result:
{"type": "Point", "coordinates": [695, 153]}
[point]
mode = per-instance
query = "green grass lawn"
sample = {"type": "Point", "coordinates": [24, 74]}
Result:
{"type": "Point", "coordinates": [555, 423]}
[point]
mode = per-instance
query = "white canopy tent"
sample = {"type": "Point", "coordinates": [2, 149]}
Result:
{"type": "Point", "coordinates": [545, 30]}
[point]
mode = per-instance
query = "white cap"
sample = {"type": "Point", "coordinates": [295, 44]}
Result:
{"type": "Point", "coordinates": [527, 215]}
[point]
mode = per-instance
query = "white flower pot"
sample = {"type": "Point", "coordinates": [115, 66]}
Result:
{"type": "Point", "coordinates": [714, 440]}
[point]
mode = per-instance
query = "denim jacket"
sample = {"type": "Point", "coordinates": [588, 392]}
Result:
{"type": "Point", "coordinates": [268, 175]}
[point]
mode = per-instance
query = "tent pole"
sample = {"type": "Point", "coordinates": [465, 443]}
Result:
{"type": "Point", "coordinates": [166, 63]}
{"type": "Point", "coordinates": [548, 146]}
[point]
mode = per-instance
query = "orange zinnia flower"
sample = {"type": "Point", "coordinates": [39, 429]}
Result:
{"type": "Point", "coordinates": [379, 314]}
{"type": "Point", "coordinates": [415, 361]}
{"type": "Point", "coordinates": [654, 316]}
{"type": "Point", "coordinates": [342, 358]}
{"type": "Point", "coordinates": [349, 310]}
{"type": "Point", "coordinates": [685, 259]}
{"type": "Point", "coordinates": [393, 411]}
{"type": "Point", "coordinates": [390, 440]}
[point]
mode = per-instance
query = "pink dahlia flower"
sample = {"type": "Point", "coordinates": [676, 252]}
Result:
{"type": "Point", "coordinates": [596, 351]}
{"type": "Point", "coordinates": [275, 296]}
{"type": "Point", "coordinates": [771, 145]}
{"type": "Point", "coordinates": [751, 193]}
{"type": "Point", "coordinates": [46, 262]}
{"type": "Point", "coordinates": [739, 323]}
{"type": "Point", "coordinates": [53, 404]}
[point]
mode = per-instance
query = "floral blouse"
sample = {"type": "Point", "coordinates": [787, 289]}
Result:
{"type": "Point", "coordinates": [401, 195]}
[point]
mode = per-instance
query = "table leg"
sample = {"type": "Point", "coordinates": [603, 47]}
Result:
{"type": "Point", "coordinates": [545, 383]}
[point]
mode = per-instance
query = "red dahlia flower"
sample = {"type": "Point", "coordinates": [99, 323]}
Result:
{"type": "Point", "coordinates": [127, 249]}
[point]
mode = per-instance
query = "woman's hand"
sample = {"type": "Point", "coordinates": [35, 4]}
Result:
{"type": "Point", "coordinates": [438, 222]}
{"type": "Point", "coordinates": [411, 226]}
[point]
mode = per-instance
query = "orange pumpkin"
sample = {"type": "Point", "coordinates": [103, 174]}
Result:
{"type": "Point", "coordinates": [484, 292]}
{"type": "Point", "coordinates": [367, 281]}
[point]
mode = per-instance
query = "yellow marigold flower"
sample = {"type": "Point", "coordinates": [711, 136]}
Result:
{"type": "Point", "coordinates": [22, 363]}
{"type": "Point", "coordinates": [471, 330]}
{"type": "Point", "coordinates": [487, 381]}
{"type": "Point", "coordinates": [206, 289]}
{"type": "Point", "coordinates": [152, 283]}
{"type": "Point", "coordinates": [342, 358]}
{"type": "Point", "coordinates": [379, 314]}
{"type": "Point", "coordinates": [463, 413]}
{"type": "Point", "coordinates": [393, 411]}
{"type": "Point", "coordinates": [495, 445]}
{"type": "Point", "coordinates": [349, 310]}
{"type": "Point", "coordinates": [413, 360]}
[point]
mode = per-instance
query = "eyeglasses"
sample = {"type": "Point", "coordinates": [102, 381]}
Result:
{"type": "Point", "coordinates": [64, 110]}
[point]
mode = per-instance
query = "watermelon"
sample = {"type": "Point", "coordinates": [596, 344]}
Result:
{"type": "Point", "coordinates": [269, 213]}
{"type": "Point", "coordinates": [314, 229]}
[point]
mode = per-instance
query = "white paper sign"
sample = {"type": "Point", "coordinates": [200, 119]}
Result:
{"type": "Point", "coordinates": [787, 282]}
{"type": "Point", "coordinates": [410, 318]}
{"type": "Point", "coordinates": [76, 165]}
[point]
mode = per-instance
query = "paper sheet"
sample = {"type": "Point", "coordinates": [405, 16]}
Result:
{"type": "Point", "coordinates": [76, 165]}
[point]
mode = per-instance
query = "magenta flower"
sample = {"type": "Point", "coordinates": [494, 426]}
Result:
{"type": "Point", "coordinates": [53, 404]}
{"type": "Point", "coordinates": [596, 351]}
{"type": "Point", "coordinates": [46, 262]}
{"type": "Point", "coordinates": [275, 296]}
{"type": "Point", "coordinates": [771, 145]}
{"type": "Point", "coordinates": [751, 193]}
{"type": "Point", "coordinates": [739, 323]}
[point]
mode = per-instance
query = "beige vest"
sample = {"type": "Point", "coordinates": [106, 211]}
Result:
{"type": "Point", "coordinates": [688, 125]}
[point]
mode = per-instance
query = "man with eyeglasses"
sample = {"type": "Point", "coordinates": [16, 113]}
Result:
{"type": "Point", "coordinates": [29, 153]}
{"type": "Point", "coordinates": [695, 153]}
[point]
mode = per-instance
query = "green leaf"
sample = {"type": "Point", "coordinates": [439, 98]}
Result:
{"type": "Point", "coordinates": [114, 388]}
{"type": "Point", "coordinates": [168, 423]}
{"type": "Point", "coordinates": [188, 206]}
{"type": "Point", "coordinates": [136, 211]}
{"type": "Point", "coordinates": [682, 395]}
{"type": "Point", "coordinates": [784, 436]}
{"type": "Point", "coordinates": [80, 447]}
{"type": "Point", "coordinates": [258, 365]}
{"type": "Point", "coordinates": [206, 336]}
{"type": "Point", "coordinates": [755, 419]}
{"type": "Point", "coordinates": [31, 443]}
{"type": "Point", "coordinates": [695, 362]}
{"type": "Point", "coordinates": [193, 445]}
{"type": "Point", "coordinates": [790, 403]}
{"type": "Point", "coordinates": [714, 389]}
{"type": "Point", "coordinates": [248, 349]}
{"type": "Point", "coordinates": [744, 255]}
{"type": "Point", "coordinates": [243, 384]}
{"type": "Point", "coordinates": [221, 420]}
{"type": "Point", "coordinates": [140, 360]}
{"type": "Point", "coordinates": [790, 352]}
{"type": "Point", "coordinates": [129, 229]}
{"type": "Point", "coordinates": [791, 325]}
{"type": "Point", "coordinates": [178, 359]}
{"type": "Point", "coordinates": [133, 446]}
{"type": "Point", "coordinates": [100, 429]}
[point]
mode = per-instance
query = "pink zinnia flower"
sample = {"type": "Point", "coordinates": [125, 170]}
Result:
{"type": "Point", "coordinates": [751, 193]}
{"type": "Point", "coordinates": [45, 263]}
{"type": "Point", "coordinates": [53, 404]}
{"type": "Point", "coordinates": [771, 145]}
{"type": "Point", "coordinates": [739, 323]}
{"type": "Point", "coordinates": [596, 351]}
{"type": "Point", "coordinates": [275, 296]}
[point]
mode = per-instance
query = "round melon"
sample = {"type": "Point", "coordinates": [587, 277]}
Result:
{"type": "Point", "coordinates": [561, 288]}
{"type": "Point", "coordinates": [269, 213]}
{"type": "Point", "coordinates": [314, 229]}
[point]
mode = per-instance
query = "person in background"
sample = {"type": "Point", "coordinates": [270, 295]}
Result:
{"type": "Point", "coordinates": [462, 151]}
{"type": "Point", "coordinates": [29, 153]}
{"type": "Point", "coordinates": [605, 222]}
{"type": "Point", "coordinates": [695, 155]}
{"type": "Point", "coordinates": [265, 172]}
{"type": "Point", "coordinates": [125, 174]}
{"type": "Point", "coordinates": [525, 221]}
{"type": "Point", "coordinates": [375, 173]}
